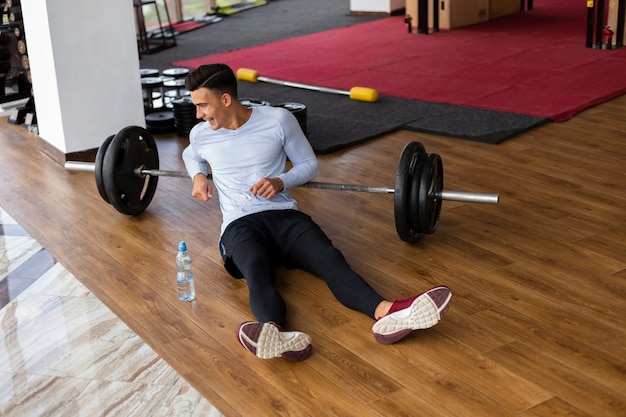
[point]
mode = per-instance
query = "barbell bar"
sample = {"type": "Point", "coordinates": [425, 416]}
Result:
{"type": "Point", "coordinates": [127, 169]}
{"type": "Point", "coordinates": [368, 95]}
{"type": "Point", "coordinates": [450, 195]}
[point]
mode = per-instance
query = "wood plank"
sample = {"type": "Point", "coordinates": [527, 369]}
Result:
{"type": "Point", "coordinates": [588, 396]}
{"type": "Point", "coordinates": [538, 319]}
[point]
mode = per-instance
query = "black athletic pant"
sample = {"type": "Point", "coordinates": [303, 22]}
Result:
{"type": "Point", "coordinates": [251, 246]}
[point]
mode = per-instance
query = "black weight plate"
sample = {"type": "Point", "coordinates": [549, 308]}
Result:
{"type": "Point", "coordinates": [175, 94]}
{"type": "Point", "coordinates": [151, 82]}
{"type": "Point", "coordinates": [186, 122]}
{"type": "Point", "coordinates": [187, 126]}
{"type": "Point", "coordinates": [183, 101]}
{"type": "Point", "coordinates": [189, 118]}
{"type": "Point", "coordinates": [413, 203]}
{"type": "Point", "coordinates": [175, 72]}
{"type": "Point", "coordinates": [186, 118]}
{"type": "Point", "coordinates": [99, 158]}
{"type": "Point", "coordinates": [292, 107]}
{"type": "Point", "coordinates": [163, 118]}
{"type": "Point", "coordinates": [132, 149]}
{"type": "Point", "coordinates": [173, 83]}
{"type": "Point", "coordinates": [161, 129]}
{"type": "Point", "coordinates": [184, 113]}
{"type": "Point", "coordinates": [253, 102]}
{"type": "Point", "coordinates": [401, 209]}
{"type": "Point", "coordinates": [148, 72]}
{"type": "Point", "coordinates": [429, 201]}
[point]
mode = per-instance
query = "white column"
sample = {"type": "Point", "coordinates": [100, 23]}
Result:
{"type": "Point", "coordinates": [85, 70]}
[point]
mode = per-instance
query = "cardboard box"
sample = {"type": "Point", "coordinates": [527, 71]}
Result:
{"type": "Point", "coordinates": [452, 13]}
{"type": "Point", "coordinates": [499, 8]}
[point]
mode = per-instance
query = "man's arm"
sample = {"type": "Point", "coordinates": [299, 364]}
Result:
{"type": "Point", "coordinates": [198, 169]}
{"type": "Point", "coordinates": [194, 163]}
{"type": "Point", "coordinates": [300, 153]}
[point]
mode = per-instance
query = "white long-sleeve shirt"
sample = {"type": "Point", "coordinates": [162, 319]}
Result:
{"type": "Point", "coordinates": [239, 158]}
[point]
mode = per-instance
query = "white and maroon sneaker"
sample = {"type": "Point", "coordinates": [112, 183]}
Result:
{"type": "Point", "coordinates": [268, 340]}
{"type": "Point", "coordinates": [422, 311]}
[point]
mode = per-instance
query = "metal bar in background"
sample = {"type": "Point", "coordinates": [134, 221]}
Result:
{"type": "Point", "coordinates": [599, 23]}
{"type": "Point", "coordinates": [590, 15]}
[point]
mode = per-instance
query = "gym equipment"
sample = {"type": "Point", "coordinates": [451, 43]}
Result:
{"type": "Point", "coordinates": [254, 102]}
{"type": "Point", "coordinates": [605, 24]}
{"type": "Point", "coordinates": [355, 93]}
{"type": "Point", "coordinates": [184, 116]}
{"type": "Point", "coordinates": [127, 171]}
{"type": "Point", "coordinates": [161, 121]}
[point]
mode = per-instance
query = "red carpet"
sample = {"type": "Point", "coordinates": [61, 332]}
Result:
{"type": "Point", "coordinates": [533, 63]}
{"type": "Point", "coordinates": [188, 26]}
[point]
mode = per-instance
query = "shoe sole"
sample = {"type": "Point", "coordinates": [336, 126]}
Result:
{"type": "Point", "coordinates": [266, 341]}
{"type": "Point", "coordinates": [423, 313]}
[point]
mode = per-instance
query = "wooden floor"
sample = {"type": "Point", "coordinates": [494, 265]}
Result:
{"type": "Point", "coordinates": [537, 325]}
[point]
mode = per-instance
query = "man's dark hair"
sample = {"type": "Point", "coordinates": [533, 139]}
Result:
{"type": "Point", "coordinates": [216, 77]}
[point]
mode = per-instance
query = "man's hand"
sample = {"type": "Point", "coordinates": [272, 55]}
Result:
{"type": "Point", "coordinates": [202, 189]}
{"type": "Point", "coordinates": [267, 187]}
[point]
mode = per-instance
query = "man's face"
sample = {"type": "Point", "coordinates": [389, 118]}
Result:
{"type": "Point", "coordinates": [211, 107]}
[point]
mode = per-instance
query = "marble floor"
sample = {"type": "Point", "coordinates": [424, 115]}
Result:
{"type": "Point", "coordinates": [64, 353]}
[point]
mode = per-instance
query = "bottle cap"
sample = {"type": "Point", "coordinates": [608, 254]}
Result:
{"type": "Point", "coordinates": [182, 246]}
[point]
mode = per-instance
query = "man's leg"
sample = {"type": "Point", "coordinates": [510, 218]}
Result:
{"type": "Point", "coordinates": [266, 338]}
{"type": "Point", "coordinates": [255, 261]}
{"type": "Point", "coordinates": [314, 252]}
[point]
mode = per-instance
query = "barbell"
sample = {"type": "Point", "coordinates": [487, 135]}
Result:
{"type": "Point", "coordinates": [368, 95]}
{"type": "Point", "coordinates": [126, 170]}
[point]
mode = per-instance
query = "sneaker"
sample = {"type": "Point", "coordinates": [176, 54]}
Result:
{"type": "Point", "coordinates": [419, 312]}
{"type": "Point", "coordinates": [268, 340]}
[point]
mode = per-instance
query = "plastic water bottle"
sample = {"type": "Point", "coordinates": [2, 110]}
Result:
{"type": "Point", "coordinates": [184, 277]}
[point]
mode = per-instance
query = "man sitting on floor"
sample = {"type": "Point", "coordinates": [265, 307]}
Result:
{"type": "Point", "coordinates": [246, 150]}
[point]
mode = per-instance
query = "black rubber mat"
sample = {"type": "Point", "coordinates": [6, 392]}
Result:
{"type": "Point", "coordinates": [335, 121]}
